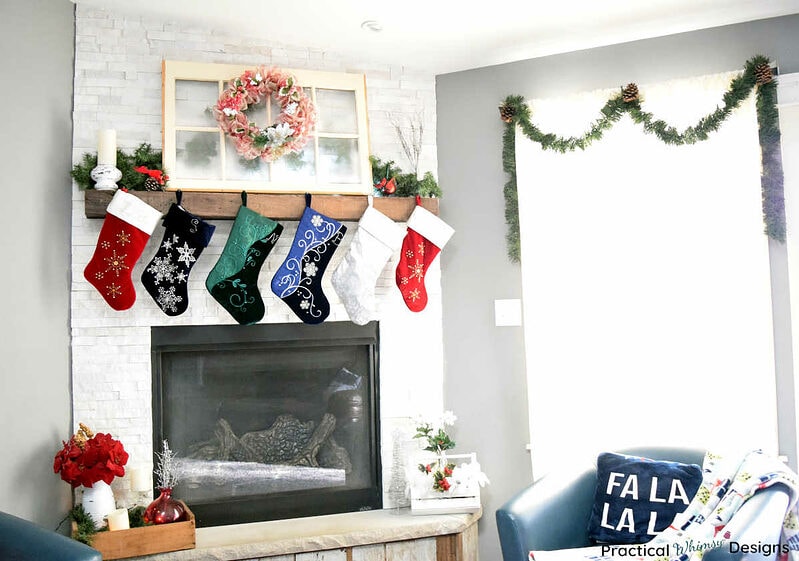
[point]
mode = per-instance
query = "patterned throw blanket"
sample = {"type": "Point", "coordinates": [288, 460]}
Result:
{"type": "Point", "coordinates": [726, 485]}
{"type": "Point", "coordinates": [707, 523]}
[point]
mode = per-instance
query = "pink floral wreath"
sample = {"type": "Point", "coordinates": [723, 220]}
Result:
{"type": "Point", "coordinates": [292, 127]}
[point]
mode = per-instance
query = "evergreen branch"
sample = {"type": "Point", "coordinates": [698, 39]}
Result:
{"type": "Point", "coordinates": [85, 527]}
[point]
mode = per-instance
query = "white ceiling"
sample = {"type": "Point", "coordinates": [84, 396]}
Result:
{"type": "Point", "coordinates": [443, 36]}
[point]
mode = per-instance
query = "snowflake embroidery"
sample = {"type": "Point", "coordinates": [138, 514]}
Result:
{"type": "Point", "coordinates": [317, 221]}
{"type": "Point", "coordinates": [420, 249]}
{"type": "Point", "coordinates": [123, 238]}
{"type": "Point", "coordinates": [105, 244]}
{"type": "Point", "coordinates": [311, 269]}
{"type": "Point", "coordinates": [181, 277]}
{"type": "Point", "coordinates": [167, 245]}
{"type": "Point", "coordinates": [186, 254]}
{"type": "Point", "coordinates": [305, 304]}
{"type": "Point", "coordinates": [416, 271]}
{"type": "Point", "coordinates": [162, 269]}
{"type": "Point", "coordinates": [98, 275]}
{"type": "Point", "coordinates": [167, 299]}
{"type": "Point", "coordinates": [404, 280]}
{"type": "Point", "coordinates": [115, 263]}
{"type": "Point", "coordinates": [409, 254]}
{"type": "Point", "coordinates": [113, 290]}
{"type": "Point", "coordinates": [414, 295]}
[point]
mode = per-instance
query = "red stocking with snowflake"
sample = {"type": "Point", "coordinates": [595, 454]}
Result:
{"type": "Point", "coordinates": [127, 226]}
{"type": "Point", "coordinates": [426, 236]}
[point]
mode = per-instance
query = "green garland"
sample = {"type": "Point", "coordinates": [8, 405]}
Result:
{"type": "Point", "coordinates": [756, 76]}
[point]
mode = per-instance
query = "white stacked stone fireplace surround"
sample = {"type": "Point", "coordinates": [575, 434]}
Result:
{"type": "Point", "coordinates": [118, 85]}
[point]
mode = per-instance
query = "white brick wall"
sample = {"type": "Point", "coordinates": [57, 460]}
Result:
{"type": "Point", "coordinates": [118, 85]}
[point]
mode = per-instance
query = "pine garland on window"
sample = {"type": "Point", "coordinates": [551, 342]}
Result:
{"type": "Point", "coordinates": [757, 76]}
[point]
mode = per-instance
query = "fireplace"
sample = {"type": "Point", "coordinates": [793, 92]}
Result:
{"type": "Point", "coordinates": [269, 421]}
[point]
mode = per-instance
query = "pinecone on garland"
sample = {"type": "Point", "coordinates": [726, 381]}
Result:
{"type": "Point", "coordinates": [763, 73]}
{"type": "Point", "coordinates": [629, 93]}
{"type": "Point", "coordinates": [151, 184]}
{"type": "Point", "coordinates": [507, 112]}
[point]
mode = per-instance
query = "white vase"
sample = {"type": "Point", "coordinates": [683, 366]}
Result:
{"type": "Point", "coordinates": [98, 502]}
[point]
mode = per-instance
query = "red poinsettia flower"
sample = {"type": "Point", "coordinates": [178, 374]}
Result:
{"type": "Point", "coordinates": [88, 458]}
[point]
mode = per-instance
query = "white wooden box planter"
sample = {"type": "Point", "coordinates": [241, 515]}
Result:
{"type": "Point", "coordinates": [463, 495]}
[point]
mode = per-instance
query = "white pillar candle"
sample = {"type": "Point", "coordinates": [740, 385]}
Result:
{"type": "Point", "coordinates": [107, 147]}
{"type": "Point", "coordinates": [140, 479]}
{"type": "Point", "coordinates": [118, 520]}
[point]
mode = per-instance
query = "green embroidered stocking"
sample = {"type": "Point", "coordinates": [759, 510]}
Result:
{"type": "Point", "coordinates": [233, 282]}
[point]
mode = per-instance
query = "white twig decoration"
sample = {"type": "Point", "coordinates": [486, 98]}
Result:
{"type": "Point", "coordinates": [410, 138]}
{"type": "Point", "coordinates": [165, 471]}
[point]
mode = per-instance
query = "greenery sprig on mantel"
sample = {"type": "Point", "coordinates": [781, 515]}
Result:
{"type": "Point", "coordinates": [144, 155]}
{"type": "Point", "coordinates": [757, 76]}
{"type": "Point", "coordinates": [408, 184]}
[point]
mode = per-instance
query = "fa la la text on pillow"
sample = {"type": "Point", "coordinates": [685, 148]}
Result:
{"type": "Point", "coordinates": [637, 498]}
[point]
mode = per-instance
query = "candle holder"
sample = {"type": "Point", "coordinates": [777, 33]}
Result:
{"type": "Point", "coordinates": [105, 177]}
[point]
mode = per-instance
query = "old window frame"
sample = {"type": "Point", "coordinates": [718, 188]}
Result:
{"type": "Point", "coordinates": [312, 80]}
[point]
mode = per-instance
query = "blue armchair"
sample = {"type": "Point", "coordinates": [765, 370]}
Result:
{"type": "Point", "coordinates": [21, 540]}
{"type": "Point", "coordinates": [553, 512]}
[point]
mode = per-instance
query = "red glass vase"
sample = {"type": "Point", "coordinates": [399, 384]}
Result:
{"type": "Point", "coordinates": [164, 509]}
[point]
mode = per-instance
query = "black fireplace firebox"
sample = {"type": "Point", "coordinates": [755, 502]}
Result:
{"type": "Point", "coordinates": [269, 421]}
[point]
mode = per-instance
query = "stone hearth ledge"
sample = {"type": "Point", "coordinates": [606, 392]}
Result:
{"type": "Point", "coordinates": [318, 533]}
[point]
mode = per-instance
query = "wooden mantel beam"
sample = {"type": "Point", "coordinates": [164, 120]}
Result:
{"type": "Point", "coordinates": [224, 206]}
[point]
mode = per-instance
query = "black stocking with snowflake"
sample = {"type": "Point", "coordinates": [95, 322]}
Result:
{"type": "Point", "coordinates": [166, 276]}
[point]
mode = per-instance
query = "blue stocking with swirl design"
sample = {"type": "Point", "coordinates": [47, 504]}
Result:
{"type": "Point", "coordinates": [233, 282]}
{"type": "Point", "coordinates": [298, 281]}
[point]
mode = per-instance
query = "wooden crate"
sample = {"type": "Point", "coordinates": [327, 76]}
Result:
{"type": "Point", "coordinates": [147, 540]}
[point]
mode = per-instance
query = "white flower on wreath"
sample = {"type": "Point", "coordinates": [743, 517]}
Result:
{"type": "Point", "coordinates": [291, 108]}
{"type": "Point", "coordinates": [317, 221]}
{"type": "Point", "coordinates": [229, 111]}
{"type": "Point", "coordinates": [310, 269]}
{"type": "Point", "coordinates": [278, 134]}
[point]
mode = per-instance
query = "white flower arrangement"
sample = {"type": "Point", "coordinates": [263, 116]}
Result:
{"type": "Point", "coordinates": [447, 477]}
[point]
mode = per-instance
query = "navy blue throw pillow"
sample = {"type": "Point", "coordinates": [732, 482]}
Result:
{"type": "Point", "coordinates": [637, 498]}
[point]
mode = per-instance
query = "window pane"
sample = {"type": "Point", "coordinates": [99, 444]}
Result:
{"type": "Point", "coordinates": [338, 160]}
{"type": "Point", "coordinates": [295, 167]}
{"type": "Point", "coordinates": [193, 102]}
{"type": "Point", "coordinates": [241, 168]}
{"type": "Point", "coordinates": [197, 155]}
{"type": "Point", "coordinates": [336, 111]}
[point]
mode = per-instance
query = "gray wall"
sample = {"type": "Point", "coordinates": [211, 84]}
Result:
{"type": "Point", "coordinates": [484, 365]}
{"type": "Point", "coordinates": [36, 39]}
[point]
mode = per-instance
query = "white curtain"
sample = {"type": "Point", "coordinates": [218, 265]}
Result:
{"type": "Point", "coordinates": [646, 288]}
